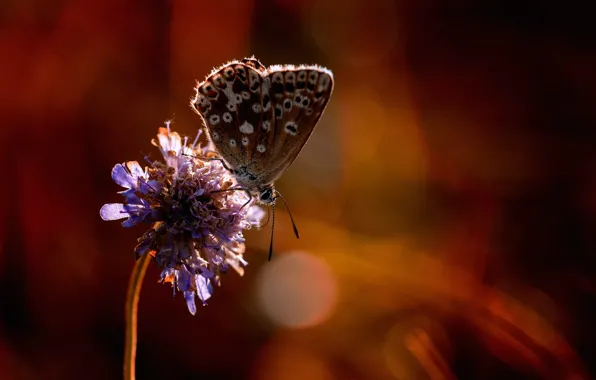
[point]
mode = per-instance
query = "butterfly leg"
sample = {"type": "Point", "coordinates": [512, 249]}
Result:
{"type": "Point", "coordinates": [211, 159]}
{"type": "Point", "coordinates": [236, 189]}
{"type": "Point", "coordinates": [220, 160]}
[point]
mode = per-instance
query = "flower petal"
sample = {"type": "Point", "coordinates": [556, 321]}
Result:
{"type": "Point", "coordinates": [183, 279]}
{"type": "Point", "coordinates": [204, 288]}
{"type": "Point", "coordinates": [147, 187]}
{"type": "Point", "coordinates": [190, 302]}
{"type": "Point", "coordinates": [135, 169]}
{"type": "Point", "coordinates": [122, 177]}
{"type": "Point", "coordinates": [131, 221]}
{"type": "Point", "coordinates": [255, 215]}
{"type": "Point", "coordinates": [113, 211]}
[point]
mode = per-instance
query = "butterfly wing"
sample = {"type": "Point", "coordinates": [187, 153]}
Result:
{"type": "Point", "coordinates": [260, 119]}
{"type": "Point", "coordinates": [230, 102]}
{"type": "Point", "coordinates": [298, 96]}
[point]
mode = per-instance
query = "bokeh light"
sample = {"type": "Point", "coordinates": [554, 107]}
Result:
{"type": "Point", "coordinates": [297, 290]}
{"type": "Point", "coordinates": [446, 201]}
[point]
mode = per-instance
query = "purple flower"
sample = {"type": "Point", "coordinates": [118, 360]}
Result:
{"type": "Point", "coordinates": [196, 231]}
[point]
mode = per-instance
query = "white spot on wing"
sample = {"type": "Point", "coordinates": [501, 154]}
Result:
{"type": "Point", "coordinates": [215, 136]}
{"type": "Point", "coordinates": [214, 119]}
{"type": "Point", "coordinates": [324, 81]}
{"type": "Point", "coordinates": [245, 141]}
{"type": "Point", "coordinates": [227, 117]}
{"type": "Point", "coordinates": [261, 148]}
{"type": "Point", "coordinates": [290, 76]}
{"type": "Point", "coordinates": [287, 104]}
{"type": "Point", "coordinates": [219, 81]}
{"type": "Point", "coordinates": [254, 77]}
{"type": "Point", "coordinates": [232, 143]}
{"type": "Point", "coordinates": [247, 128]}
{"type": "Point", "coordinates": [291, 128]}
{"type": "Point", "coordinates": [266, 125]}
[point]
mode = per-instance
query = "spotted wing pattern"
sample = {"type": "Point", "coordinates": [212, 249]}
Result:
{"type": "Point", "coordinates": [230, 103]}
{"type": "Point", "coordinates": [299, 95]}
{"type": "Point", "coordinates": [260, 118]}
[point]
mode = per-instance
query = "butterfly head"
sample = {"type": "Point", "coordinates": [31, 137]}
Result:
{"type": "Point", "coordinates": [267, 195]}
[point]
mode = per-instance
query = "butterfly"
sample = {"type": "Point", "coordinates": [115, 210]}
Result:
{"type": "Point", "coordinates": [259, 119]}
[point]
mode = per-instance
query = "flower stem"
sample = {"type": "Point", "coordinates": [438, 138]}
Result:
{"type": "Point", "coordinates": [130, 314]}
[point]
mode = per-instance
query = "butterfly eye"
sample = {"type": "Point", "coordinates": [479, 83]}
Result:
{"type": "Point", "coordinates": [266, 195]}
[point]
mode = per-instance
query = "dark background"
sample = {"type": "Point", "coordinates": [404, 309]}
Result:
{"type": "Point", "coordinates": [447, 199]}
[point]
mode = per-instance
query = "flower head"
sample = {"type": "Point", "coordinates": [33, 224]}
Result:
{"type": "Point", "coordinates": [196, 211]}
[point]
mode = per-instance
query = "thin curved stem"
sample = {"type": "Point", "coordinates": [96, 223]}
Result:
{"type": "Point", "coordinates": [130, 314]}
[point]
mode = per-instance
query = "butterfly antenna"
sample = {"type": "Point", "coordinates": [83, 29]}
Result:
{"type": "Point", "coordinates": [291, 218]}
{"type": "Point", "coordinates": [272, 225]}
